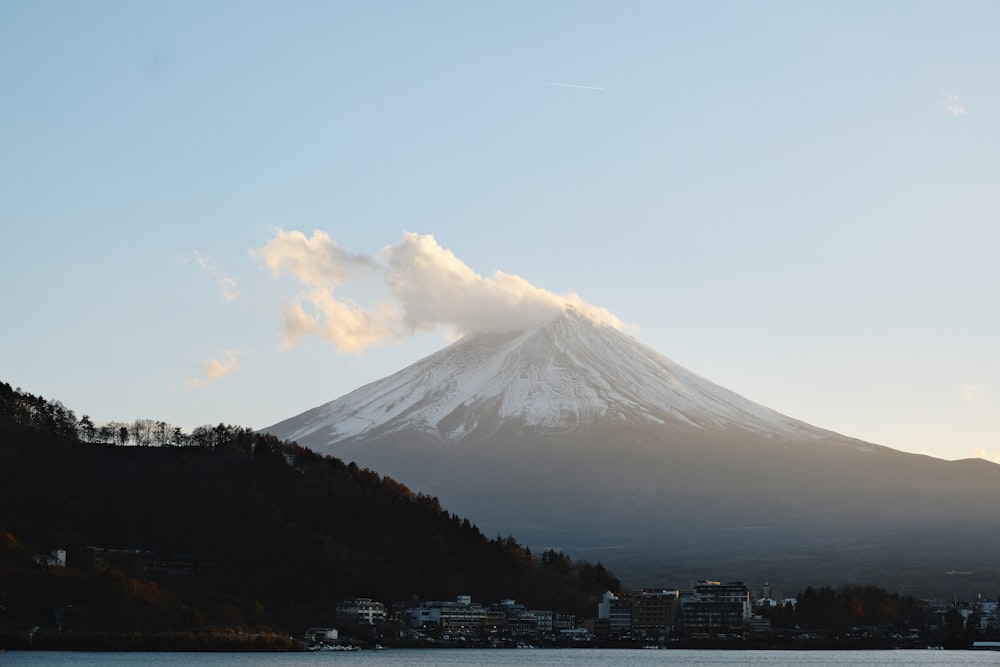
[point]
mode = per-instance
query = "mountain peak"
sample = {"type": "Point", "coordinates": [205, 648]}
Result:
{"type": "Point", "coordinates": [555, 377]}
{"type": "Point", "coordinates": [572, 434]}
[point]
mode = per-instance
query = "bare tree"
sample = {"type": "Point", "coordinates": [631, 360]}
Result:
{"type": "Point", "coordinates": [202, 436]}
{"type": "Point", "coordinates": [178, 438]}
{"type": "Point", "coordinates": [119, 433]}
{"type": "Point", "coordinates": [141, 431]}
{"type": "Point", "coordinates": [86, 429]}
{"type": "Point", "coordinates": [162, 432]}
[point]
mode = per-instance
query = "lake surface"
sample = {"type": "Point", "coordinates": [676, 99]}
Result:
{"type": "Point", "coordinates": [507, 658]}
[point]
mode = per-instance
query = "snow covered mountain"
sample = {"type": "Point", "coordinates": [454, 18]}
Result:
{"type": "Point", "coordinates": [573, 435]}
{"type": "Point", "coordinates": [556, 378]}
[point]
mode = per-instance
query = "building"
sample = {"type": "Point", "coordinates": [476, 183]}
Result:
{"type": "Point", "coordinates": [521, 626]}
{"type": "Point", "coordinates": [769, 597]}
{"type": "Point", "coordinates": [655, 612]}
{"type": "Point", "coordinates": [461, 616]}
{"type": "Point", "coordinates": [576, 635]}
{"type": "Point", "coordinates": [562, 622]}
{"type": "Point", "coordinates": [511, 608]}
{"type": "Point", "coordinates": [515, 619]}
{"type": "Point", "coordinates": [316, 635]}
{"type": "Point", "coordinates": [495, 619]}
{"type": "Point", "coordinates": [616, 610]}
{"type": "Point", "coordinates": [543, 620]}
{"type": "Point", "coordinates": [759, 624]}
{"type": "Point", "coordinates": [988, 612]}
{"type": "Point", "coordinates": [57, 558]}
{"type": "Point", "coordinates": [362, 610]}
{"type": "Point", "coordinates": [717, 610]}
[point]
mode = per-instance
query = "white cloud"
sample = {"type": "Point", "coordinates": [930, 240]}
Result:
{"type": "Point", "coordinates": [428, 288]}
{"type": "Point", "coordinates": [230, 287]}
{"type": "Point", "coordinates": [316, 261]}
{"type": "Point", "coordinates": [216, 368]}
{"type": "Point", "coordinates": [298, 324]}
{"type": "Point", "coordinates": [951, 105]}
{"type": "Point", "coordinates": [340, 321]}
{"type": "Point", "coordinates": [227, 284]}
{"type": "Point", "coordinates": [433, 287]}
{"type": "Point", "coordinates": [972, 392]}
{"type": "Point", "coordinates": [981, 453]}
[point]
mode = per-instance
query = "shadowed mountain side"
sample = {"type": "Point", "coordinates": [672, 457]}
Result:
{"type": "Point", "coordinates": [577, 437]}
{"type": "Point", "coordinates": [710, 504]}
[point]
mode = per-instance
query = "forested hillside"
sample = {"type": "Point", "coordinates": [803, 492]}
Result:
{"type": "Point", "coordinates": [274, 533]}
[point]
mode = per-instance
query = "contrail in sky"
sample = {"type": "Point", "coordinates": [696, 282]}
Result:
{"type": "Point", "coordinates": [568, 85]}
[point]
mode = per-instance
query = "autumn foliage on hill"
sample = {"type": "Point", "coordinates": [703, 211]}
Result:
{"type": "Point", "coordinates": [279, 534]}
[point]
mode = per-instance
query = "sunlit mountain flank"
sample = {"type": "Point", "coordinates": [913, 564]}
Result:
{"type": "Point", "coordinates": [573, 435]}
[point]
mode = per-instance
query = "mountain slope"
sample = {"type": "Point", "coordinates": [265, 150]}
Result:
{"type": "Point", "coordinates": [569, 374]}
{"type": "Point", "coordinates": [574, 435]}
{"type": "Point", "coordinates": [272, 531]}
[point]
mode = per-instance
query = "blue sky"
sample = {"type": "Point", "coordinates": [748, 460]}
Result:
{"type": "Point", "coordinates": [797, 201]}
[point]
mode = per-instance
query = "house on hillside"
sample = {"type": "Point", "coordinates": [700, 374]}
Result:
{"type": "Point", "coordinates": [56, 558]}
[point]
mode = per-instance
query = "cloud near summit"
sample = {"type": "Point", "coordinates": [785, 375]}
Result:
{"type": "Point", "coordinates": [427, 287]}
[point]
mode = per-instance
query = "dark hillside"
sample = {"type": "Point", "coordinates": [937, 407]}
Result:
{"type": "Point", "coordinates": [265, 531]}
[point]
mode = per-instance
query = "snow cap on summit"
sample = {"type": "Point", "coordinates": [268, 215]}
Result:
{"type": "Point", "coordinates": [428, 286]}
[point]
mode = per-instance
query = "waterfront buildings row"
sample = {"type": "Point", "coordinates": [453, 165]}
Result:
{"type": "Point", "coordinates": [711, 609]}
{"type": "Point", "coordinates": [461, 616]}
{"type": "Point", "coordinates": [715, 610]}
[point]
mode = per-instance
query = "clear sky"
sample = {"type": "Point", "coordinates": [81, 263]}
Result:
{"type": "Point", "coordinates": [797, 200]}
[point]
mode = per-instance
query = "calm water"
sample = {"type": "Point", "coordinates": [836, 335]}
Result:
{"type": "Point", "coordinates": [509, 658]}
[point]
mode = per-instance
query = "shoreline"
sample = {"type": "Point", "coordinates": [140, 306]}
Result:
{"type": "Point", "coordinates": [232, 641]}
